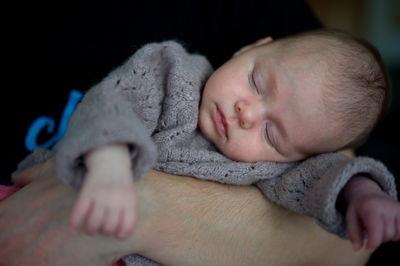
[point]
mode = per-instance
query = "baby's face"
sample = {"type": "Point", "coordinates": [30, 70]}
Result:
{"type": "Point", "coordinates": [265, 104]}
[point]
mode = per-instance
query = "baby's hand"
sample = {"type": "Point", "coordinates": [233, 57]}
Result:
{"type": "Point", "coordinates": [371, 210]}
{"type": "Point", "coordinates": [106, 204]}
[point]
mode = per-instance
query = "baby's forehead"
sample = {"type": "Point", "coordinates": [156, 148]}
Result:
{"type": "Point", "coordinates": [300, 58]}
{"type": "Point", "coordinates": [305, 59]}
{"type": "Point", "coordinates": [309, 46]}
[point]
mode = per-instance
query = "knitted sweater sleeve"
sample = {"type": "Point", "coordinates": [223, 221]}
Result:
{"type": "Point", "coordinates": [123, 108]}
{"type": "Point", "coordinates": [312, 187]}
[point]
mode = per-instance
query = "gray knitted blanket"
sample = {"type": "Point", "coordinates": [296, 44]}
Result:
{"type": "Point", "coordinates": [152, 102]}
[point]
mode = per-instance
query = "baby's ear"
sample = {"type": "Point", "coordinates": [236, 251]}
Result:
{"type": "Point", "coordinates": [253, 45]}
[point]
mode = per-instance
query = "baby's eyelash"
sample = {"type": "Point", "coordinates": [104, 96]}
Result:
{"type": "Point", "coordinates": [253, 82]}
{"type": "Point", "coordinates": [271, 142]}
{"type": "Point", "coordinates": [266, 135]}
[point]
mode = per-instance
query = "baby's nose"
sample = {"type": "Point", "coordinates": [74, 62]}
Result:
{"type": "Point", "coordinates": [247, 114]}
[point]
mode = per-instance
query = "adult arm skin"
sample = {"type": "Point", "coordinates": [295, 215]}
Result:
{"type": "Point", "coordinates": [182, 221]}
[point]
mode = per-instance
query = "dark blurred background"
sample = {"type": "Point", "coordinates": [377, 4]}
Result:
{"type": "Point", "coordinates": [378, 21]}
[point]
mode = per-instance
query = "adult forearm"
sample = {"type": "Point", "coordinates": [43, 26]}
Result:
{"type": "Point", "coordinates": [182, 221]}
{"type": "Point", "coordinates": [192, 222]}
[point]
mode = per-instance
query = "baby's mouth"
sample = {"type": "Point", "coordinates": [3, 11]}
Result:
{"type": "Point", "coordinates": [220, 123]}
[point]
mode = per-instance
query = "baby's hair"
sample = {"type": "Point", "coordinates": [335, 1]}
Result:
{"type": "Point", "coordinates": [357, 93]}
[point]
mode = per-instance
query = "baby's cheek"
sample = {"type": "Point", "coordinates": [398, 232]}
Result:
{"type": "Point", "coordinates": [240, 152]}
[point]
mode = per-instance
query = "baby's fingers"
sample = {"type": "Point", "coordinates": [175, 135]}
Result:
{"type": "Point", "coordinates": [354, 229]}
{"type": "Point", "coordinates": [95, 219]}
{"type": "Point", "coordinates": [80, 211]}
{"type": "Point", "coordinates": [375, 226]}
{"type": "Point", "coordinates": [110, 226]}
{"type": "Point", "coordinates": [127, 224]}
{"type": "Point", "coordinates": [396, 229]}
{"type": "Point", "coordinates": [390, 229]}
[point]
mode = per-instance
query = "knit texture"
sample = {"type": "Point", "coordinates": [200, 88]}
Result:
{"type": "Point", "coordinates": [152, 101]}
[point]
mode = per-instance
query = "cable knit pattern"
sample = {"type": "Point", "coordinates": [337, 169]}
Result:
{"type": "Point", "coordinates": [152, 103]}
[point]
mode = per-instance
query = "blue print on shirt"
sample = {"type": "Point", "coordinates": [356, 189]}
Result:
{"type": "Point", "coordinates": [47, 122]}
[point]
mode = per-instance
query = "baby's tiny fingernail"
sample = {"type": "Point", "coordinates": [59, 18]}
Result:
{"type": "Point", "coordinates": [358, 245]}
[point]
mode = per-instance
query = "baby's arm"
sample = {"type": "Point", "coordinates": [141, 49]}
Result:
{"type": "Point", "coordinates": [105, 200]}
{"type": "Point", "coordinates": [372, 210]}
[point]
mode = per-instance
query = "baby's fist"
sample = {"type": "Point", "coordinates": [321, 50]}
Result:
{"type": "Point", "coordinates": [106, 205]}
{"type": "Point", "coordinates": [378, 215]}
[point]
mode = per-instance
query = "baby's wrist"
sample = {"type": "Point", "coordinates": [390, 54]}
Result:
{"type": "Point", "coordinates": [108, 154]}
{"type": "Point", "coordinates": [359, 186]}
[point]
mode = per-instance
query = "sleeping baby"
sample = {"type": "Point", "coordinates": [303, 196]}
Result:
{"type": "Point", "coordinates": [274, 115]}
